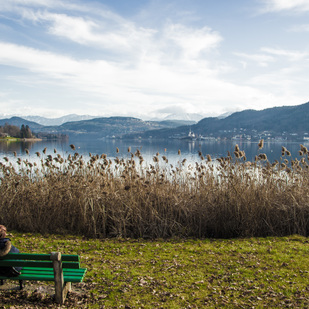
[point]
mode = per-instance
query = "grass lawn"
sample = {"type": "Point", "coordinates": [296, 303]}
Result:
{"type": "Point", "coordinates": [178, 273]}
{"type": "Point", "coordinates": [9, 139]}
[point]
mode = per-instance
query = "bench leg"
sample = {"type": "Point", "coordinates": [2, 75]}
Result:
{"type": "Point", "coordinates": [61, 292]}
{"type": "Point", "coordinates": [68, 287]}
{"type": "Point", "coordinates": [1, 282]}
{"type": "Point", "coordinates": [61, 287]}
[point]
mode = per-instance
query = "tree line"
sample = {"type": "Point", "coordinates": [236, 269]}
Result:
{"type": "Point", "coordinates": [10, 130]}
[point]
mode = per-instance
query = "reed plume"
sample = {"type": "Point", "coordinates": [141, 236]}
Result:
{"type": "Point", "coordinates": [261, 144]}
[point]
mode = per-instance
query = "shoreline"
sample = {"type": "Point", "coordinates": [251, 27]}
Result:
{"type": "Point", "coordinates": [17, 139]}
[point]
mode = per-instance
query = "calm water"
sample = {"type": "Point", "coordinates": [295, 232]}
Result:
{"type": "Point", "coordinates": [148, 148]}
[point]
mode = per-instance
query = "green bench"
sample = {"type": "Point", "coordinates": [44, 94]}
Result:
{"type": "Point", "coordinates": [62, 269]}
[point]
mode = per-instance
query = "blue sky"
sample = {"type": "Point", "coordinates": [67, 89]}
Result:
{"type": "Point", "coordinates": [149, 58]}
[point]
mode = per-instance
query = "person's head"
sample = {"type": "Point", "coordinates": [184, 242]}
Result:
{"type": "Point", "coordinates": [2, 231]}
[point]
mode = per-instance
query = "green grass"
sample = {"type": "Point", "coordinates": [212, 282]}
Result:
{"type": "Point", "coordinates": [9, 139]}
{"type": "Point", "coordinates": [181, 273]}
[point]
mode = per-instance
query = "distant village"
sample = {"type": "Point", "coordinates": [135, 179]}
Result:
{"type": "Point", "coordinates": [243, 135]}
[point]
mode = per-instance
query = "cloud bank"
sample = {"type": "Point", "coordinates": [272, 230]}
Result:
{"type": "Point", "coordinates": [69, 57]}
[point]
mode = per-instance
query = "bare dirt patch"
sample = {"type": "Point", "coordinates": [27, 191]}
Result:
{"type": "Point", "coordinates": [41, 295]}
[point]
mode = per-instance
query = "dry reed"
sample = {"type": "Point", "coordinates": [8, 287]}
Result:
{"type": "Point", "coordinates": [227, 197]}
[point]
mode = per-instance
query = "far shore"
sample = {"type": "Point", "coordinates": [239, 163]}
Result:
{"type": "Point", "coordinates": [17, 139]}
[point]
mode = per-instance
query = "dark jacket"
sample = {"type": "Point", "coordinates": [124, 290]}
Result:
{"type": "Point", "coordinates": [5, 243]}
{"type": "Point", "coordinates": [5, 248]}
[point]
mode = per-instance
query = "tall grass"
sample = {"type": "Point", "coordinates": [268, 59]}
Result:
{"type": "Point", "coordinates": [127, 197]}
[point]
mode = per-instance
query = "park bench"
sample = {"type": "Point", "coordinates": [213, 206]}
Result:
{"type": "Point", "coordinates": [63, 269]}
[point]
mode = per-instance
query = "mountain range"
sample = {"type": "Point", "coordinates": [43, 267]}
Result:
{"type": "Point", "coordinates": [276, 121]}
{"type": "Point", "coordinates": [187, 117]}
{"type": "Point", "coordinates": [51, 121]}
{"type": "Point", "coordinates": [57, 121]}
{"type": "Point", "coordinates": [97, 127]}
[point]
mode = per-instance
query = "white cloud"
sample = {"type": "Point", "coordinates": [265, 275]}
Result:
{"type": "Point", "coordinates": [108, 31]}
{"type": "Point", "coordinates": [192, 41]}
{"type": "Point", "coordinates": [270, 55]}
{"type": "Point", "coordinates": [127, 69]}
{"type": "Point", "coordinates": [261, 60]}
{"type": "Point", "coordinates": [286, 5]}
{"type": "Point", "coordinates": [151, 84]}
{"type": "Point", "coordinates": [35, 60]}
{"type": "Point", "coordinates": [19, 5]}
{"type": "Point", "coordinates": [292, 55]}
{"type": "Point", "coordinates": [108, 34]}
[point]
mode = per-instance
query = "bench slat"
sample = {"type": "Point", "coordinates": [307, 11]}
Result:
{"type": "Point", "coordinates": [45, 278]}
{"type": "Point", "coordinates": [43, 269]}
{"type": "Point", "coordinates": [68, 273]}
{"type": "Point", "coordinates": [39, 264]}
{"type": "Point", "coordinates": [68, 276]}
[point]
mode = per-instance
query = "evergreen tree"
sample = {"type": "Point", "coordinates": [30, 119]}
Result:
{"type": "Point", "coordinates": [28, 132]}
{"type": "Point", "coordinates": [25, 131]}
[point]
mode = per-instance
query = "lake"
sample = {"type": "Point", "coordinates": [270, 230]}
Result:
{"type": "Point", "coordinates": [149, 148]}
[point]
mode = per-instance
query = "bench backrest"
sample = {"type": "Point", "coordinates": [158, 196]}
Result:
{"type": "Point", "coordinates": [38, 260]}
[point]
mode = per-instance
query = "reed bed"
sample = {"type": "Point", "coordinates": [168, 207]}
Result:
{"type": "Point", "coordinates": [102, 197]}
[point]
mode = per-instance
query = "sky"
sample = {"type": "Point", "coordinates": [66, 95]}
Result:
{"type": "Point", "coordinates": [151, 58]}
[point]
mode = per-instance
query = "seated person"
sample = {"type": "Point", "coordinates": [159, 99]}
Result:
{"type": "Point", "coordinates": [5, 248]}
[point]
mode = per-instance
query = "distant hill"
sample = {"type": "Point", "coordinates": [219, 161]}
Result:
{"type": "Point", "coordinates": [17, 121]}
{"type": "Point", "coordinates": [44, 121]}
{"type": "Point", "coordinates": [192, 117]}
{"type": "Point", "coordinates": [176, 123]}
{"type": "Point", "coordinates": [291, 119]}
{"type": "Point", "coordinates": [97, 127]}
{"type": "Point", "coordinates": [111, 127]}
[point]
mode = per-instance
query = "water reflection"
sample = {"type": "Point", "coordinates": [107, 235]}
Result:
{"type": "Point", "coordinates": [148, 148]}
{"type": "Point", "coordinates": [18, 147]}
{"type": "Point", "coordinates": [7, 148]}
